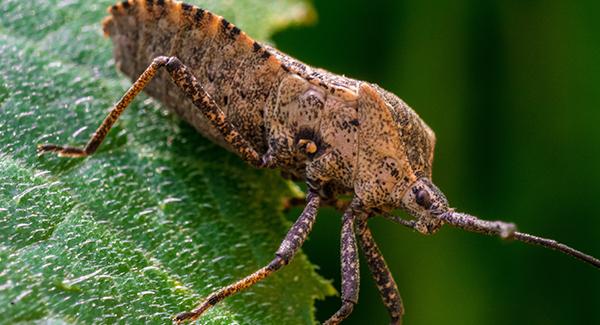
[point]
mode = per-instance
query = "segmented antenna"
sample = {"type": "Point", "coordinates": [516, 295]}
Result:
{"type": "Point", "coordinates": [499, 228]}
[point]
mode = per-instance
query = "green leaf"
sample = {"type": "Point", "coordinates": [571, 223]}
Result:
{"type": "Point", "coordinates": [154, 221]}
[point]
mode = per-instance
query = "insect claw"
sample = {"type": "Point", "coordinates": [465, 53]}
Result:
{"type": "Point", "coordinates": [194, 314]}
{"type": "Point", "coordinates": [61, 151]}
{"type": "Point", "coordinates": [182, 317]}
{"type": "Point", "coordinates": [43, 148]}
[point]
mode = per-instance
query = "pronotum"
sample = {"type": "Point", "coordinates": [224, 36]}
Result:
{"type": "Point", "coordinates": [339, 135]}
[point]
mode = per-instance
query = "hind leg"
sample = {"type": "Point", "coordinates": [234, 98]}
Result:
{"type": "Point", "coordinates": [184, 79]}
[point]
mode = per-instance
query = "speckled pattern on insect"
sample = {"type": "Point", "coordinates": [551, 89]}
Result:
{"type": "Point", "coordinates": [339, 135]}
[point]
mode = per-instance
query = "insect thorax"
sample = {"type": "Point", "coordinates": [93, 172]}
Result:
{"type": "Point", "coordinates": [374, 146]}
{"type": "Point", "coordinates": [303, 111]}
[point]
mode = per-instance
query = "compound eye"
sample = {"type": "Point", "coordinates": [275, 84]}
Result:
{"type": "Point", "coordinates": [423, 199]}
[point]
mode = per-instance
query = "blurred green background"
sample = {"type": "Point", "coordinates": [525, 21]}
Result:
{"type": "Point", "coordinates": [511, 89]}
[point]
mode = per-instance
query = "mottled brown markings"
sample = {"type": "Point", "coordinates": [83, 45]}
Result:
{"type": "Point", "coordinates": [199, 15]}
{"type": "Point", "coordinates": [350, 265]}
{"type": "Point", "coordinates": [225, 24]}
{"type": "Point", "coordinates": [259, 102]}
{"type": "Point", "coordinates": [240, 94]}
{"type": "Point", "coordinates": [388, 290]}
{"type": "Point", "coordinates": [184, 78]}
{"type": "Point", "coordinates": [230, 29]}
{"type": "Point", "coordinates": [256, 47]}
{"type": "Point", "coordinates": [265, 55]}
{"type": "Point", "coordinates": [186, 7]}
{"type": "Point", "coordinates": [343, 87]}
{"type": "Point", "coordinates": [235, 31]}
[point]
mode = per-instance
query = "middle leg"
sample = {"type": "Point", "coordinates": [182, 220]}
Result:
{"type": "Point", "coordinates": [350, 267]}
{"type": "Point", "coordinates": [388, 290]}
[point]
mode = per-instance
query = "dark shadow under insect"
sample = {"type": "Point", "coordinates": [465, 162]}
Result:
{"type": "Point", "coordinates": [339, 135]}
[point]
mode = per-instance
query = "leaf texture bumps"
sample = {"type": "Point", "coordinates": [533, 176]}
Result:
{"type": "Point", "coordinates": [158, 218]}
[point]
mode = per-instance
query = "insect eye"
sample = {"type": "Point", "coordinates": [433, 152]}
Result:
{"type": "Point", "coordinates": [309, 146]}
{"type": "Point", "coordinates": [423, 199]}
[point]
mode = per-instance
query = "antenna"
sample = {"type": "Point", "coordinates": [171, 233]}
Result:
{"type": "Point", "coordinates": [502, 229]}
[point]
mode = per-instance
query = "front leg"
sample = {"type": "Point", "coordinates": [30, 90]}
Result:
{"type": "Point", "coordinates": [350, 267]}
{"type": "Point", "coordinates": [184, 79]}
{"type": "Point", "coordinates": [288, 248]}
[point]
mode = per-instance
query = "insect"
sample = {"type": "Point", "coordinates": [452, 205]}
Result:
{"type": "Point", "coordinates": [339, 135]}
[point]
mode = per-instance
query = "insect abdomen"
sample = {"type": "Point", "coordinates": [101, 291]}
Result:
{"type": "Point", "coordinates": [237, 72]}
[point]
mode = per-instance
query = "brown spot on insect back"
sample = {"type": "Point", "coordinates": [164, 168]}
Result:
{"type": "Point", "coordinates": [186, 18]}
{"type": "Point", "coordinates": [256, 47]}
{"type": "Point", "coordinates": [235, 31]}
{"type": "Point", "coordinates": [199, 15]}
{"type": "Point", "coordinates": [225, 24]}
{"type": "Point", "coordinates": [187, 7]}
{"type": "Point", "coordinates": [230, 29]}
{"type": "Point", "coordinates": [119, 8]}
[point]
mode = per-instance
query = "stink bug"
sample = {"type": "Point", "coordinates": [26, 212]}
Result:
{"type": "Point", "coordinates": [339, 135]}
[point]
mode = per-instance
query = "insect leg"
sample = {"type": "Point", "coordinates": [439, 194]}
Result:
{"type": "Point", "coordinates": [381, 273]}
{"type": "Point", "coordinates": [288, 248]}
{"type": "Point", "coordinates": [185, 80]}
{"type": "Point", "coordinates": [350, 269]}
{"type": "Point", "coordinates": [336, 203]}
{"type": "Point", "coordinates": [112, 117]}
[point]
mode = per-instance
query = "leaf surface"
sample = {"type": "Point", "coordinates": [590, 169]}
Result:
{"type": "Point", "coordinates": [158, 217]}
